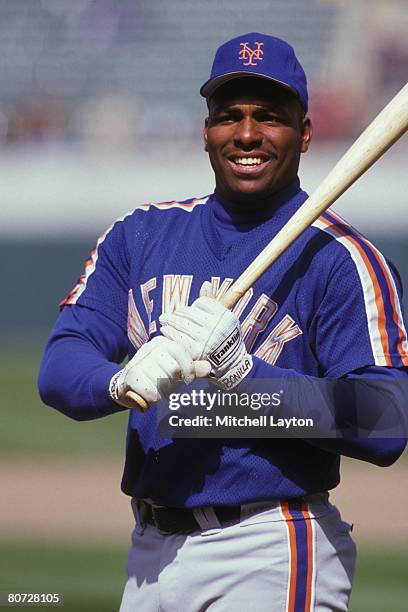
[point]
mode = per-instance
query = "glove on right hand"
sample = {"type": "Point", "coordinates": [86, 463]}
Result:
{"type": "Point", "coordinates": [210, 331]}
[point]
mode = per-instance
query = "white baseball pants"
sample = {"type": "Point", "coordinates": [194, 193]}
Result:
{"type": "Point", "coordinates": [284, 558]}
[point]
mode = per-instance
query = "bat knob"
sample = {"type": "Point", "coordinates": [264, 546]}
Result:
{"type": "Point", "coordinates": [138, 401]}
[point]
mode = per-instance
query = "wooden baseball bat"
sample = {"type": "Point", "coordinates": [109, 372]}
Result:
{"type": "Point", "coordinates": [389, 125]}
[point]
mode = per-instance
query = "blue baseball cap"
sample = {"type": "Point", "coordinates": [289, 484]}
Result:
{"type": "Point", "coordinates": [261, 56]}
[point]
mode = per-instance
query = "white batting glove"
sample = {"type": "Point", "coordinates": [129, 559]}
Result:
{"type": "Point", "coordinates": [210, 331]}
{"type": "Point", "coordinates": [158, 367]}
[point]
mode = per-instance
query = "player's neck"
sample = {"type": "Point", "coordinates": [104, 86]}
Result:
{"type": "Point", "coordinates": [255, 211]}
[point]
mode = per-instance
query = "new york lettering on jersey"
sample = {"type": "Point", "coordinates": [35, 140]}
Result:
{"type": "Point", "coordinates": [176, 291]}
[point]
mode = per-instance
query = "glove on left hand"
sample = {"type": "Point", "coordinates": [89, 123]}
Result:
{"type": "Point", "coordinates": [157, 368]}
{"type": "Point", "coordinates": [210, 331]}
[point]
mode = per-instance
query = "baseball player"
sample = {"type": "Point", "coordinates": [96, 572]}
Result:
{"type": "Point", "coordinates": [239, 523]}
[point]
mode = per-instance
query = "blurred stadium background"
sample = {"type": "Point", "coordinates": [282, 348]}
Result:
{"type": "Point", "coordinates": [100, 112]}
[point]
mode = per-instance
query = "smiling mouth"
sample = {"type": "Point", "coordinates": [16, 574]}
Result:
{"type": "Point", "coordinates": [248, 161]}
{"type": "Point", "coordinates": [248, 165]}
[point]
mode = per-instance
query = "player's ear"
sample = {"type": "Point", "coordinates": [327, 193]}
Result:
{"type": "Point", "coordinates": [307, 133]}
{"type": "Point", "coordinates": [205, 133]}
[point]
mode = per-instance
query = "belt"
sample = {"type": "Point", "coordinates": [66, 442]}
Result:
{"type": "Point", "coordinates": [170, 520]}
{"type": "Point", "coordinates": [182, 520]}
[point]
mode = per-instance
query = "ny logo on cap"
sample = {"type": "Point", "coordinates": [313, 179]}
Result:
{"type": "Point", "coordinates": [249, 54]}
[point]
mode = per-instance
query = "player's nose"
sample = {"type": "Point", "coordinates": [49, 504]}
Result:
{"type": "Point", "coordinates": [247, 134]}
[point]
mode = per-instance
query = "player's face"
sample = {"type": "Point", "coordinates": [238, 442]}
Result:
{"type": "Point", "coordinates": [254, 135]}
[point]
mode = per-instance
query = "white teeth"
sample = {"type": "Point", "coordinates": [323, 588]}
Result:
{"type": "Point", "coordinates": [248, 161]}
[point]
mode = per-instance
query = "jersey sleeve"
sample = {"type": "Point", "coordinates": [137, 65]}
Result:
{"type": "Point", "coordinates": [359, 321]}
{"type": "Point", "coordinates": [104, 284]}
{"type": "Point", "coordinates": [83, 352]}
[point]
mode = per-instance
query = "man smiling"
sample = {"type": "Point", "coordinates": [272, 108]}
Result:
{"type": "Point", "coordinates": [235, 524]}
{"type": "Point", "coordinates": [254, 136]}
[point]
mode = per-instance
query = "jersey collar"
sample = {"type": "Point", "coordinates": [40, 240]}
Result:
{"type": "Point", "coordinates": [227, 224]}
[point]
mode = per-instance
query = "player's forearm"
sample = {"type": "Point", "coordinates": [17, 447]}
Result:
{"type": "Point", "coordinates": [74, 379]}
{"type": "Point", "coordinates": [380, 451]}
{"type": "Point", "coordinates": [350, 413]}
{"type": "Point", "coordinates": [80, 359]}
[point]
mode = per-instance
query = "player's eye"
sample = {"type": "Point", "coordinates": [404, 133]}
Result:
{"type": "Point", "coordinates": [224, 117]}
{"type": "Point", "coordinates": [267, 117]}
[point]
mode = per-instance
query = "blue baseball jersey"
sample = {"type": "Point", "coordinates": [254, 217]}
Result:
{"type": "Point", "coordinates": [330, 306]}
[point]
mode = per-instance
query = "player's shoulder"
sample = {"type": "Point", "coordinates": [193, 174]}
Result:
{"type": "Point", "coordinates": [186, 206]}
{"type": "Point", "coordinates": [145, 221]}
{"type": "Point", "coordinates": [160, 211]}
{"type": "Point", "coordinates": [342, 239]}
{"type": "Point", "coordinates": [342, 245]}
{"type": "Point", "coordinates": [155, 215]}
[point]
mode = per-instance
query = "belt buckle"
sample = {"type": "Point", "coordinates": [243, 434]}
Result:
{"type": "Point", "coordinates": [147, 508]}
{"type": "Point", "coordinates": [155, 509]}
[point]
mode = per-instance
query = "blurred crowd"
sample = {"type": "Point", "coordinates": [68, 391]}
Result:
{"type": "Point", "coordinates": [111, 73]}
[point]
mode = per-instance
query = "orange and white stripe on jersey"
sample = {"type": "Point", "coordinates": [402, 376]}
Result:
{"type": "Point", "coordinates": [90, 264]}
{"type": "Point", "coordinates": [388, 336]}
{"type": "Point", "coordinates": [188, 205]}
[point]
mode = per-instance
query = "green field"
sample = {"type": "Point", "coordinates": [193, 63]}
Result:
{"type": "Point", "coordinates": [381, 581]}
{"type": "Point", "coordinates": [31, 428]}
{"type": "Point", "coordinates": [92, 577]}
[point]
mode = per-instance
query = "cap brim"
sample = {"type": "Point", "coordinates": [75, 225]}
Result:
{"type": "Point", "coordinates": [213, 84]}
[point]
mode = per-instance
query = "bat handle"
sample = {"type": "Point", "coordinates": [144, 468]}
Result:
{"type": "Point", "coordinates": [233, 295]}
{"type": "Point", "coordinates": [202, 369]}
